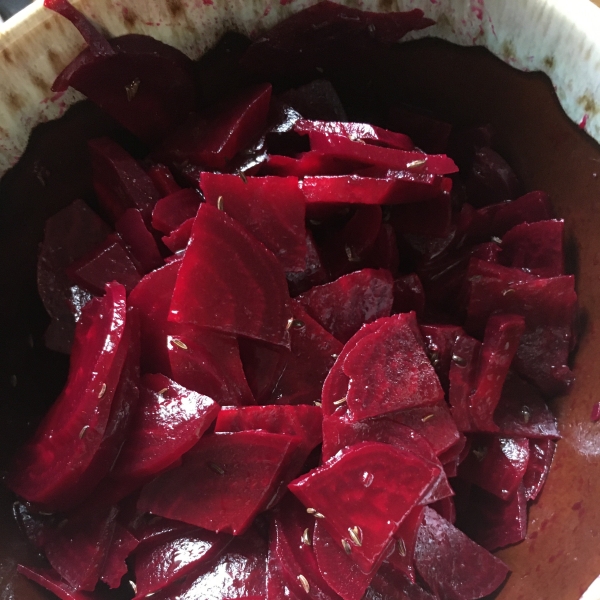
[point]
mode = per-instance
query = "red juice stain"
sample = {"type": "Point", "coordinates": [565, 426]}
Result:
{"type": "Point", "coordinates": [583, 121]}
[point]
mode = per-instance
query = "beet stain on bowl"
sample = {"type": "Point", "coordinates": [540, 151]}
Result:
{"type": "Point", "coordinates": [323, 330]}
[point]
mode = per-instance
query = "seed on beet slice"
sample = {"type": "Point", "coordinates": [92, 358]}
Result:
{"type": "Point", "coordinates": [223, 483]}
{"type": "Point", "coordinates": [339, 491]}
{"type": "Point", "coordinates": [452, 565]}
{"type": "Point", "coordinates": [121, 546]}
{"type": "Point", "coordinates": [402, 556]}
{"type": "Point", "coordinates": [344, 305]}
{"type": "Point", "coordinates": [139, 242]}
{"type": "Point", "coordinates": [541, 453]}
{"type": "Point", "coordinates": [173, 210]}
{"type": "Point", "coordinates": [53, 582]}
{"type": "Point", "coordinates": [244, 279]}
{"type": "Point", "coordinates": [270, 208]}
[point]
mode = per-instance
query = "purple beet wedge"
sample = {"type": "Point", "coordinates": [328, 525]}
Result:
{"type": "Point", "coordinates": [339, 490]}
{"type": "Point", "coordinates": [541, 453]}
{"type": "Point", "coordinates": [54, 583]}
{"type": "Point", "coordinates": [272, 209]}
{"type": "Point", "coordinates": [262, 364]}
{"type": "Point", "coordinates": [389, 371]}
{"type": "Point", "coordinates": [223, 483]}
{"type": "Point", "coordinates": [156, 567]}
{"type": "Point", "coordinates": [139, 242]}
{"type": "Point", "coordinates": [344, 305]}
{"type": "Point", "coordinates": [173, 210]}
{"type": "Point", "coordinates": [244, 278]}
{"type": "Point", "coordinates": [452, 565]}
{"type": "Point", "coordinates": [463, 377]}
{"type": "Point", "coordinates": [121, 546]}
{"type": "Point", "coordinates": [402, 556]}
{"type": "Point", "coordinates": [47, 469]}
{"type": "Point", "coordinates": [500, 342]}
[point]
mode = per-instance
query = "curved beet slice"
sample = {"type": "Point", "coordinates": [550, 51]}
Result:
{"type": "Point", "coordinates": [277, 588]}
{"type": "Point", "coordinates": [243, 277]}
{"type": "Point", "coordinates": [47, 469]}
{"type": "Point", "coordinates": [344, 305]}
{"type": "Point", "coordinates": [337, 490]}
{"type": "Point", "coordinates": [270, 208]}
{"type": "Point", "coordinates": [452, 565]}
{"type": "Point", "coordinates": [169, 421]}
{"type": "Point", "coordinates": [541, 453]}
{"type": "Point", "coordinates": [138, 240]}
{"type": "Point", "coordinates": [178, 240]}
{"type": "Point", "coordinates": [52, 581]}
{"type": "Point", "coordinates": [223, 483]}
{"type": "Point", "coordinates": [403, 552]}
{"type": "Point", "coordinates": [173, 210]}
{"type": "Point", "coordinates": [305, 164]}
{"type": "Point", "coordinates": [392, 584]}
{"type": "Point", "coordinates": [163, 179]}
{"type": "Point", "coordinates": [121, 546]}
{"type": "Point", "coordinates": [154, 531]}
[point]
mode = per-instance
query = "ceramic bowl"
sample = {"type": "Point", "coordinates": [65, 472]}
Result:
{"type": "Point", "coordinates": [540, 92]}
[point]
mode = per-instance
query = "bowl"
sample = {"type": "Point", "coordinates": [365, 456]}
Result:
{"type": "Point", "coordinates": [534, 74]}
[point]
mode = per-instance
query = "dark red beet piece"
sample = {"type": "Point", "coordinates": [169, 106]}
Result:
{"type": "Point", "coordinates": [463, 378]}
{"type": "Point", "coordinates": [160, 565]}
{"type": "Point", "coordinates": [403, 552]}
{"type": "Point", "coordinates": [496, 464]}
{"type": "Point", "coordinates": [223, 483]}
{"type": "Point", "coordinates": [178, 240]}
{"type": "Point", "coordinates": [445, 508]}
{"type": "Point", "coordinates": [139, 241]}
{"type": "Point", "coordinates": [428, 133]}
{"type": "Point", "coordinates": [277, 588]}
{"type": "Point", "coordinates": [154, 531]}
{"type": "Point", "coordinates": [336, 490]}
{"type": "Point", "coordinates": [439, 344]}
{"type": "Point", "coordinates": [163, 179]}
{"type": "Point", "coordinates": [244, 279]}
{"type": "Point", "coordinates": [306, 164]}
{"type": "Point", "coordinates": [384, 253]}
{"type": "Point", "coordinates": [408, 295]}
{"type": "Point", "coordinates": [270, 208]}
{"type": "Point", "coordinates": [173, 210]}
{"type": "Point", "coordinates": [452, 565]}
{"type": "Point", "coordinates": [500, 343]}
{"type": "Point", "coordinates": [315, 100]}
{"type": "Point", "coordinates": [120, 181]}
{"type": "Point", "coordinates": [541, 453]}
{"type": "Point", "coordinates": [52, 581]}
{"type": "Point", "coordinates": [169, 421]}
{"type": "Point", "coordinates": [391, 584]}
{"type": "Point", "coordinates": [389, 371]}
{"type": "Point", "coordinates": [47, 469]}
{"type": "Point", "coordinates": [345, 304]}
{"type": "Point", "coordinates": [535, 247]}
{"type": "Point", "coordinates": [213, 138]}
{"type": "Point", "coordinates": [68, 236]}
{"type": "Point", "coordinates": [262, 364]}
{"type": "Point", "coordinates": [121, 546]}
{"type": "Point", "coordinates": [429, 218]}
{"type": "Point", "coordinates": [313, 273]}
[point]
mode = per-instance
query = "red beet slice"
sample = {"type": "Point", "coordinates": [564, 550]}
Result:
{"type": "Point", "coordinates": [403, 551]}
{"type": "Point", "coordinates": [500, 343]}
{"type": "Point", "coordinates": [173, 210]}
{"type": "Point", "coordinates": [446, 508]}
{"type": "Point", "coordinates": [163, 179]}
{"type": "Point", "coordinates": [270, 208]}
{"type": "Point", "coordinates": [170, 419]}
{"type": "Point", "coordinates": [497, 465]}
{"type": "Point", "coordinates": [154, 531]}
{"type": "Point", "coordinates": [541, 453]}
{"type": "Point", "coordinates": [244, 279]}
{"type": "Point", "coordinates": [313, 272]}
{"type": "Point", "coordinates": [139, 241]}
{"type": "Point", "coordinates": [452, 565]}
{"type": "Point", "coordinates": [439, 345]}
{"type": "Point", "coordinates": [160, 565]}
{"type": "Point", "coordinates": [121, 546]}
{"type": "Point", "coordinates": [213, 138]}
{"type": "Point", "coordinates": [262, 364]}
{"type": "Point", "coordinates": [408, 295]}
{"type": "Point", "coordinates": [47, 469]}
{"type": "Point", "coordinates": [389, 371]}
{"type": "Point", "coordinates": [178, 240]}
{"type": "Point", "coordinates": [337, 490]}
{"type": "Point", "coordinates": [536, 247]}
{"type": "Point", "coordinates": [345, 304]}
{"type": "Point", "coordinates": [277, 589]}
{"type": "Point", "coordinates": [120, 181]}
{"type": "Point", "coordinates": [223, 483]}
{"type": "Point", "coordinates": [392, 584]}
{"type": "Point", "coordinates": [305, 164]}
{"type": "Point", "coordinates": [463, 378]}
{"type": "Point", "coordinates": [52, 581]}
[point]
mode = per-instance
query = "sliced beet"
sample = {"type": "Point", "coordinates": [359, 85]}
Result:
{"type": "Point", "coordinates": [120, 181]}
{"type": "Point", "coordinates": [393, 584]}
{"type": "Point", "coordinates": [463, 378]}
{"type": "Point", "coordinates": [244, 279]}
{"type": "Point", "coordinates": [158, 566]}
{"type": "Point", "coordinates": [170, 419]}
{"type": "Point", "coordinates": [178, 240]}
{"type": "Point", "coordinates": [270, 208]}
{"type": "Point", "coordinates": [439, 344]}
{"type": "Point", "coordinates": [277, 588]}
{"type": "Point", "coordinates": [445, 508]}
{"type": "Point", "coordinates": [403, 551]}
{"type": "Point", "coordinates": [47, 469]}
{"type": "Point", "coordinates": [213, 138]}
{"type": "Point", "coordinates": [313, 272]}
{"type": "Point", "coordinates": [408, 295]}
{"type": "Point", "coordinates": [536, 247]}
{"type": "Point", "coordinates": [153, 531]}
{"type": "Point", "coordinates": [452, 565]}
{"type": "Point", "coordinates": [337, 490]}
{"type": "Point", "coordinates": [53, 582]}
{"type": "Point", "coordinates": [345, 304]}
{"type": "Point", "coordinates": [121, 546]}
{"type": "Point", "coordinates": [305, 164]}
{"type": "Point", "coordinates": [138, 240]}
{"type": "Point", "coordinates": [174, 210]}
{"type": "Point", "coordinates": [384, 253]}
{"type": "Point", "coordinates": [163, 179]}
{"type": "Point", "coordinates": [263, 364]}
{"type": "Point", "coordinates": [389, 371]}
{"type": "Point", "coordinates": [500, 343]}
{"type": "Point", "coordinates": [496, 464]}
{"type": "Point", "coordinates": [223, 483]}
{"type": "Point", "coordinates": [541, 453]}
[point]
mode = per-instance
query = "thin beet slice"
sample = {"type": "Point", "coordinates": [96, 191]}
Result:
{"type": "Point", "coordinates": [244, 279]}
{"type": "Point", "coordinates": [439, 344]}
{"type": "Point", "coordinates": [402, 556]}
{"type": "Point", "coordinates": [47, 469]}
{"type": "Point", "coordinates": [452, 565]}
{"type": "Point", "coordinates": [496, 464]}
{"type": "Point", "coordinates": [536, 247]}
{"type": "Point", "coordinates": [213, 138]}
{"type": "Point", "coordinates": [389, 371]}
{"type": "Point", "coordinates": [500, 343]}
{"type": "Point", "coordinates": [138, 240]}
{"type": "Point", "coordinates": [153, 531]}
{"type": "Point", "coordinates": [163, 179]}
{"type": "Point", "coordinates": [277, 588]}
{"type": "Point", "coordinates": [170, 419]}
{"type": "Point", "coordinates": [337, 490]}
{"type": "Point", "coordinates": [158, 566]}
{"type": "Point", "coordinates": [178, 240]}
{"type": "Point", "coordinates": [408, 295]}
{"type": "Point", "coordinates": [270, 208]}
{"type": "Point", "coordinates": [344, 305]}
{"type": "Point", "coordinates": [174, 210]}
{"type": "Point", "coordinates": [313, 272]}
{"type": "Point", "coordinates": [306, 164]}
{"type": "Point", "coordinates": [121, 546]}
{"type": "Point", "coordinates": [223, 483]}
{"type": "Point", "coordinates": [541, 453]}
{"type": "Point", "coordinates": [54, 583]}
{"type": "Point", "coordinates": [120, 181]}
{"type": "Point", "coordinates": [463, 377]}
